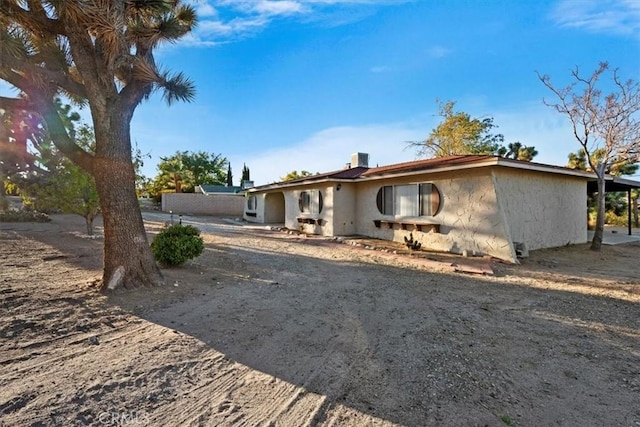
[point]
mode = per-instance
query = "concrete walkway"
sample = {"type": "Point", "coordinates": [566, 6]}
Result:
{"type": "Point", "coordinates": [617, 235]}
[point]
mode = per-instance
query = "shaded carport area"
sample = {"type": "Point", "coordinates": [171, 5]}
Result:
{"type": "Point", "coordinates": [615, 184]}
{"type": "Point", "coordinates": [274, 210]}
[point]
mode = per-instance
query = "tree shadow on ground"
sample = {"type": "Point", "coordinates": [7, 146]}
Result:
{"type": "Point", "coordinates": [402, 345]}
{"type": "Point", "coordinates": [406, 345]}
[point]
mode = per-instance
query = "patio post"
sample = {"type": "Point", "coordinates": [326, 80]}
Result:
{"type": "Point", "coordinates": [629, 208]}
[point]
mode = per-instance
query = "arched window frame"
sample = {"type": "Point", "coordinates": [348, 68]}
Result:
{"type": "Point", "coordinates": [409, 200]}
{"type": "Point", "coordinates": [310, 201]}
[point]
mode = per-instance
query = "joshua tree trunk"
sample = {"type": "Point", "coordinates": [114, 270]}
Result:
{"type": "Point", "coordinates": [100, 52]}
{"type": "Point", "coordinates": [128, 261]}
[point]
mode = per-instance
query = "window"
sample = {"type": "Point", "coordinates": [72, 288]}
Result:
{"type": "Point", "coordinates": [429, 199]}
{"type": "Point", "coordinates": [251, 203]}
{"type": "Point", "coordinates": [409, 200]}
{"type": "Point", "coordinates": [310, 201]}
{"type": "Point", "coordinates": [385, 200]}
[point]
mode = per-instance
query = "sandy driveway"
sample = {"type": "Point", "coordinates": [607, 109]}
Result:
{"type": "Point", "coordinates": [275, 329]}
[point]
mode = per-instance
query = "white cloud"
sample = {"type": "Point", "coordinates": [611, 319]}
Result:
{"type": "Point", "coordinates": [284, 7]}
{"type": "Point", "coordinates": [225, 20]}
{"type": "Point", "coordinates": [438, 52]}
{"type": "Point", "coordinates": [234, 26]}
{"type": "Point", "coordinates": [380, 69]}
{"type": "Point", "coordinates": [205, 9]}
{"type": "Point", "coordinates": [602, 16]}
{"type": "Point", "coordinates": [539, 126]}
{"type": "Point", "coordinates": [330, 149]}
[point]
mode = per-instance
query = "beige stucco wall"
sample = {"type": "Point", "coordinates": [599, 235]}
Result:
{"type": "Point", "coordinates": [276, 203]}
{"type": "Point", "coordinates": [259, 211]}
{"type": "Point", "coordinates": [543, 210]}
{"type": "Point", "coordinates": [269, 209]}
{"type": "Point", "coordinates": [344, 209]}
{"type": "Point", "coordinates": [337, 216]}
{"type": "Point", "coordinates": [483, 211]}
{"type": "Point", "coordinates": [292, 210]}
{"type": "Point", "coordinates": [469, 216]}
{"type": "Point", "coordinates": [199, 204]}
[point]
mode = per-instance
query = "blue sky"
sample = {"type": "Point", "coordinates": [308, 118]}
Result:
{"type": "Point", "coordinates": [302, 84]}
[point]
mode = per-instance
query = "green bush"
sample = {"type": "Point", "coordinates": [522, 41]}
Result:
{"type": "Point", "coordinates": [23, 216]}
{"type": "Point", "coordinates": [176, 245]}
{"type": "Point", "coordinates": [611, 218]}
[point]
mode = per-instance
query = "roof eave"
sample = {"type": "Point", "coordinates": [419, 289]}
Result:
{"type": "Point", "coordinates": [486, 162]}
{"type": "Point", "coordinates": [281, 185]}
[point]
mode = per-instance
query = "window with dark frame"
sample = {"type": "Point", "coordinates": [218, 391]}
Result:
{"type": "Point", "coordinates": [409, 200]}
{"type": "Point", "coordinates": [310, 201]}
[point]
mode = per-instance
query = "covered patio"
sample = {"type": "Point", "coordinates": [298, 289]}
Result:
{"type": "Point", "coordinates": [617, 185]}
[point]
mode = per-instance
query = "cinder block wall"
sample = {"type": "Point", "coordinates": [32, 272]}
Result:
{"type": "Point", "coordinates": [199, 204]}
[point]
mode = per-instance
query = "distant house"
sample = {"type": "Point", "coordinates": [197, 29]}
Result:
{"type": "Point", "coordinates": [484, 205]}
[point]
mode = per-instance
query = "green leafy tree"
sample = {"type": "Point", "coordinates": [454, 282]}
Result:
{"type": "Point", "coordinates": [100, 54]}
{"type": "Point", "coordinates": [77, 193]}
{"type": "Point", "coordinates": [26, 149]}
{"type": "Point", "coordinates": [172, 172]}
{"type": "Point", "coordinates": [578, 160]}
{"type": "Point", "coordinates": [459, 134]}
{"type": "Point", "coordinates": [27, 155]}
{"type": "Point", "coordinates": [246, 174]}
{"type": "Point", "coordinates": [295, 175]}
{"type": "Point", "coordinates": [185, 170]}
{"type": "Point", "coordinates": [229, 176]}
{"type": "Point", "coordinates": [609, 123]}
{"type": "Point", "coordinates": [517, 151]}
{"type": "Point", "coordinates": [142, 182]}
{"type": "Point", "coordinates": [64, 186]}
{"type": "Point", "coordinates": [205, 168]}
{"type": "Point", "coordinates": [615, 203]}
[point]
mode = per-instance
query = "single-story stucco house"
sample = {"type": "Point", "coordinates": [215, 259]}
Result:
{"type": "Point", "coordinates": [478, 204]}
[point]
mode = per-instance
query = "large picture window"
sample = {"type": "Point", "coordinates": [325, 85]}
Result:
{"type": "Point", "coordinates": [310, 201]}
{"type": "Point", "coordinates": [409, 200]}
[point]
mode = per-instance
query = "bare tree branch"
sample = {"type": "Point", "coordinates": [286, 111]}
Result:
{"type": "Point", "coordinates": [607, 125]}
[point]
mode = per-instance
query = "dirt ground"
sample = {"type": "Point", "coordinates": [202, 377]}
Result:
{"type": "Point", "coordinates": [268, 328]}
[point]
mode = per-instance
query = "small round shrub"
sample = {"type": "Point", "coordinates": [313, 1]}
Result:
{"type": "Point", "coordinates": [176, 245]}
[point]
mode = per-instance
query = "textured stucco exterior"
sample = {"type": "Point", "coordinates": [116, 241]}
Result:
{"type": "Point", "coordinates": [469, 218]}
{"type": "Point", "coordinates": [275, 203]}
{"type": "Point", "coordinates": [345, 202]}
{"type": "Point", "coordinates": [490, 207]}
{"type": "Point", "coordinates": [543, 210]}
{"type": "Point", "coordinates": [324, 219]}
